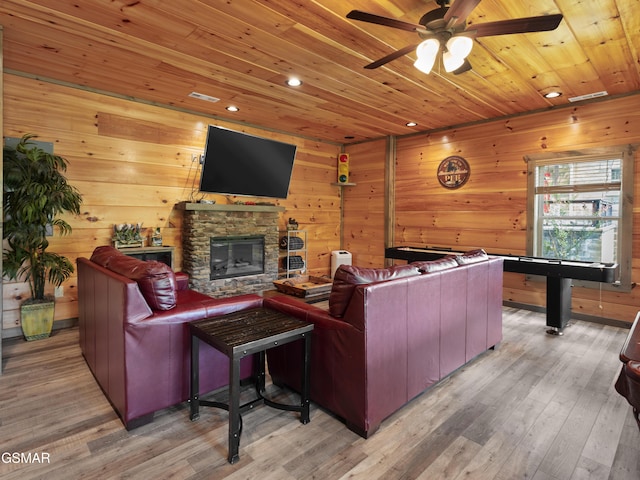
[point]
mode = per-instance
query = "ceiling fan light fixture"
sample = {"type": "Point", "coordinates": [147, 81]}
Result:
{"type": "Point", "coordinates": [451, 62]}
{"type": "Point", "coordinates": [460, 46]}
{"type": "Point", "coordinates": [427, 52]}
{"type": "Point", "coordinates": [425, 64]}
{"type": "Point", "coordinates": [449, 25]}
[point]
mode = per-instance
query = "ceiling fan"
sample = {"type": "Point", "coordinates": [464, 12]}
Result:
{"type": "Point", "coordinates": [445, 29]}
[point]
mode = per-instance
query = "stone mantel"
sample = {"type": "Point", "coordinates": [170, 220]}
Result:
{"type": "Point", "coordinates": [232, 207]}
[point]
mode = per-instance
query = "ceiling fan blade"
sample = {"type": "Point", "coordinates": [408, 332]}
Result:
{"type": "Point", "coordinates": [517, 25]}
{"type": "Point", "coordinates": [466, 66]}
{"type": "Point", "coordinates": [390, 57]}
{"type": "Point", "coordinates": [459, 11]}
{"type": "Point", "coordinates": [386, 21]}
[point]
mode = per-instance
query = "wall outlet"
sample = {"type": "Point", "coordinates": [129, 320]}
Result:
{"type": "Point", "coordinates": [59, 291]}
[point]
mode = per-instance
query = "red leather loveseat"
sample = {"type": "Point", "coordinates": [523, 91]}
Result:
{"type": "Point", "coordinates": [391, 333]}
{"type": "Point", "coordinates": [628, 383]}
{"type": "Point", "coordinates": [133, 319]}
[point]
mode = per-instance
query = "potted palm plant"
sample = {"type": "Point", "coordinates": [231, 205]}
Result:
{"type": "Point", "coordinates": [35, 194]}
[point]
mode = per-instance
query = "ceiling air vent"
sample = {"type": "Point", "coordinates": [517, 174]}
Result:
{"type": "Point", "coordinates": [202, 96]}
{"type": "Point", "coordinates": [589, 96]}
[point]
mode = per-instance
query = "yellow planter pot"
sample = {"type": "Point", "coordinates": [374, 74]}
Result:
{"type": "Point", "coordinates": [37, 320]}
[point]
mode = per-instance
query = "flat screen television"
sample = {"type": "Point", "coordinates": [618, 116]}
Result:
{"type": "Point", "coordinates": [236, 163]}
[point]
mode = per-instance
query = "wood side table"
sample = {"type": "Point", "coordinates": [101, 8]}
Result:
{"type": "Point", "coordinates": [238, 335]}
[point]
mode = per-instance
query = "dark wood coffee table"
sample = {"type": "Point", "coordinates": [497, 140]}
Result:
{"type": "Point", "coordinates": [238, 335]}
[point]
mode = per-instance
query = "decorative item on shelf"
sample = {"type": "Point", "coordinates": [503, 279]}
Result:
{"type": "Point", "coordinates": [127, 235]}
{"type": "Point", "coordinates": [343, 168]}
{"type": "Point", "coordinates": [293, 262]}
{"type": "Point", "coordinates": [291, 243]}
{"type": "Point", "coordinates": [156, 238]}
{"type": "Point", "coordinates": [453, 172]}
{"type": "Point", "coordinates": [292, 224]}
{"type": "Point", "coordinates": [36, 192]}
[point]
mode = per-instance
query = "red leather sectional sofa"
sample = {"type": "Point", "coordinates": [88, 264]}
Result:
{"type": "Point", "coordinates": [628, 383]}
{"type": "Point", "coordinates": [391, 333]}
{"type": "Point", "coordinates": [133, 319]}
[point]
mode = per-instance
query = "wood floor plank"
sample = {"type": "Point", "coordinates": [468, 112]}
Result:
{"type": "Point", "coordinates": [451, 462]}
{"type": "Point", "coordinates": [538, 407]}
{"type": "Point", "coordinates": [626, 465]}
{"type": "Point", "coordinates": [588, 469]}
{"type": "Point", "coordinates": [566, 449]}
{"type": "Point", "coordinates": [528, 453]}
{"type": "Point", "coordinates": [605, 435]}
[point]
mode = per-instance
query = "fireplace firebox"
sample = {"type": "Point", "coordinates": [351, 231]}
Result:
{"type": "Point", "coordinates": [236, 256]}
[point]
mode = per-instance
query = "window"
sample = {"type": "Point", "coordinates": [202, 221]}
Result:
{"type": "Point", "coordinates": [580, 207]}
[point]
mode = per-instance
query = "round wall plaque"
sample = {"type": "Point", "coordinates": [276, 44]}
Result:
{"type": "Point", "coordinates": [453, 172]}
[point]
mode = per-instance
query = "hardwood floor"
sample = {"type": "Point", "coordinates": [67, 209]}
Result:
{"type": "Point", "coordinates": [539, 407]}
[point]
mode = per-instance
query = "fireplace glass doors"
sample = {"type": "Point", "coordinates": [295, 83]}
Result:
{"type": "Point", "coordinates": [236, 256]}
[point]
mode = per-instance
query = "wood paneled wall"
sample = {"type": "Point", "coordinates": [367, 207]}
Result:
{"type": "Point", "coordinates": [364, 204]}
{"type": "Point", "coordinates": [490, 210]}
{"type": "Point", "coordinates": [133, 162]}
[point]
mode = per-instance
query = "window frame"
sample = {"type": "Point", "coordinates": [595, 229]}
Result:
{"type": "Point", "coordinates": [625, 234]}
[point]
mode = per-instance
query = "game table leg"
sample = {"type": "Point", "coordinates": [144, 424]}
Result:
{"type": "Point", "coordinates": [558, 304]}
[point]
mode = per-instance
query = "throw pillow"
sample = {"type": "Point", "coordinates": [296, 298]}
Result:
{"type": "Point", "coordinates": [156, 280]}
{"type": "Point", "coordinates": [430, 266]}
{"type": "Point", "coordinates": [347, 277]}
{"type": "Point", "coordinates": [472, 256]}
{"type": "Point", "coordinates": [103, 254]}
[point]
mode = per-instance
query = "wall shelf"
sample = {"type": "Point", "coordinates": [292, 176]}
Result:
{"type": "Point", "coordinates": [296, 246]}
{"type": "Point", "coordinates": [230, 207]}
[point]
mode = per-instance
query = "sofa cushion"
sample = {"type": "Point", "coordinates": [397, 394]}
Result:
{"type": "Point", "coordinates": [156, 280]}
{"type": "Point", "coordinates": [472, 256]}
{"type": "Point", "coordinates": [347, 277]}
{"type": "Point", "coordinates": [182, 280]}
{"type": "Point", "coordinates": [430, 266]}
{"type": "Point", "coordinates": [103, 254]}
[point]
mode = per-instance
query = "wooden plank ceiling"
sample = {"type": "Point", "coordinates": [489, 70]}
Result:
{"type": "Point", "coordinates": [242, 51]}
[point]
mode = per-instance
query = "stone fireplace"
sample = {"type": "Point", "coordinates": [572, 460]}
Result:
{"type": "Point", "coordinates": [230, 249]}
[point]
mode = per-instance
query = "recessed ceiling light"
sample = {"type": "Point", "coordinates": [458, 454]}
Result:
{"type": "Point", "coordinates": [411, 124]}
{"type": "Point", "coordinates": [553, 94]}
{"type": "Point", "coordinates": [233, 108]}
{"type": "Point", "coordinates": [294, 82]}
